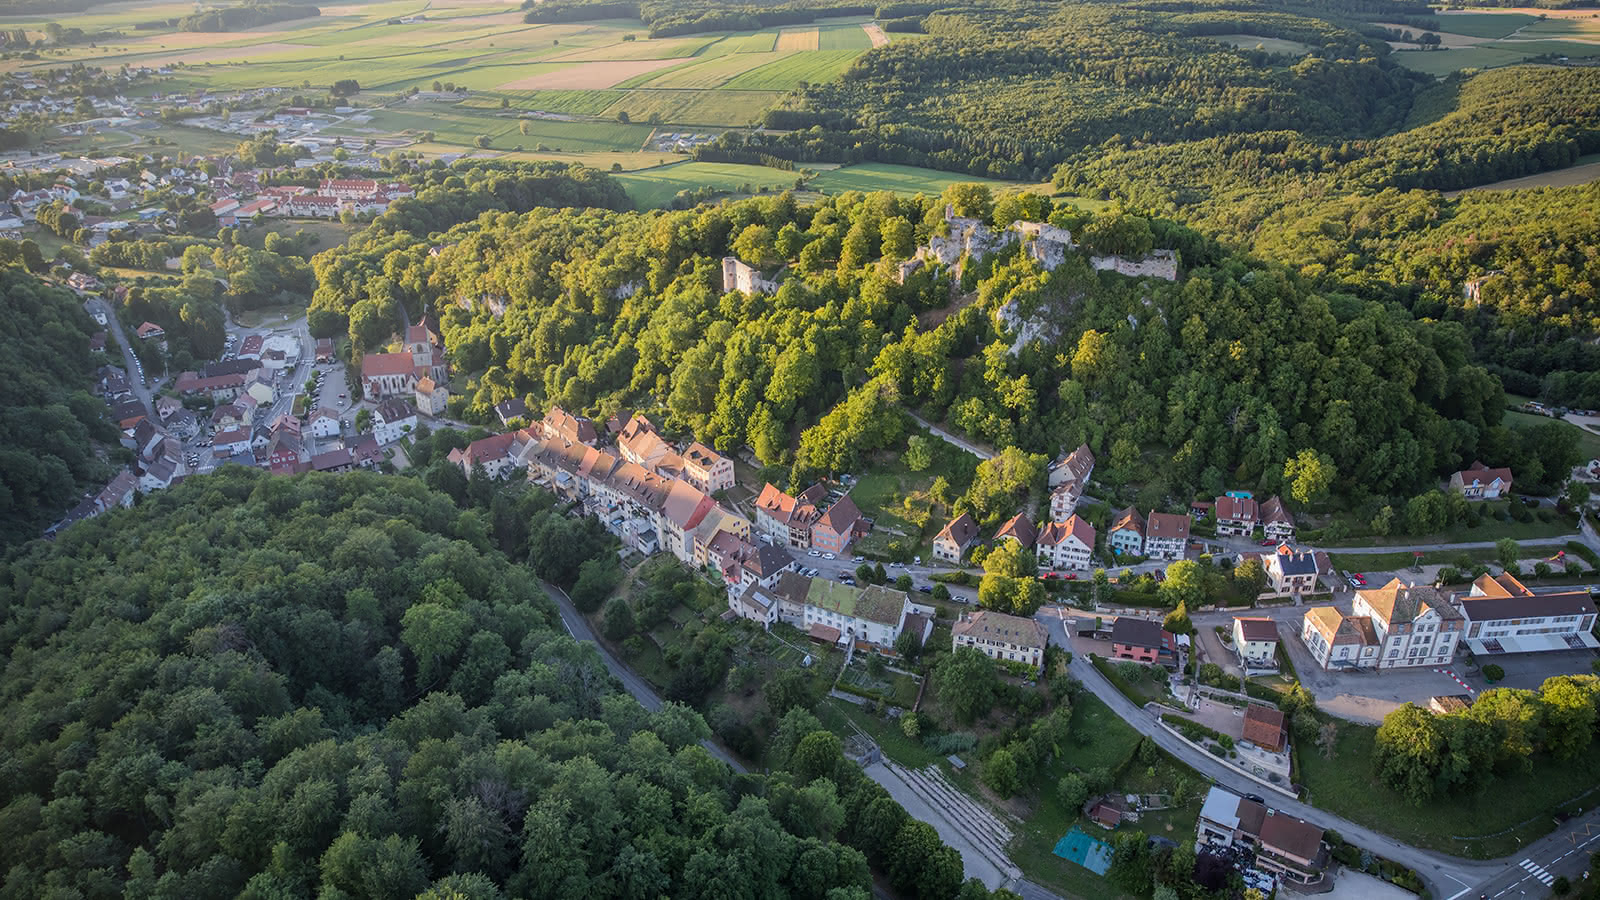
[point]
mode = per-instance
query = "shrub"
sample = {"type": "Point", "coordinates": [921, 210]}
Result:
{"type": "Point", "coordinates": [1493, 673]}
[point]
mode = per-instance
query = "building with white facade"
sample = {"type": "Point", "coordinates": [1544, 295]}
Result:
{"type": "Point", "coordinates": [1416, 626]}
{"type": "Point", "coordinates": [1001, 636]}
{"type": "Point", "coordinates": [1502, 616]}
{"type": "Point", "coordinates": [1067, 545]}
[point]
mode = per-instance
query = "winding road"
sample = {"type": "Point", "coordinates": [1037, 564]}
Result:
{"type": "Point", "coordinates": [1447, 876]}
{"type": "Point", "coordinates": [579, 628]}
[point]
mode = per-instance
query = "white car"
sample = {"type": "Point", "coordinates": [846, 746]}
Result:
{"type": "Point", "coordinates": [859, 559]}
{"type": "Point", "coordinates": [827, 556]}
{"type": "Point", "coordinates": [814, 553]}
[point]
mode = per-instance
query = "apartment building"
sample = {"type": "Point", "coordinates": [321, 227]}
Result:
{"type": "Point", "coordinates": [1338, 641]}
{"type": "Point", "coordinates": [1290, 571]}
{"type": "Point", "coordinates": [1127, 533]}
{"type": "Point", "coordinates": [1255, 641]}
{"type": "Point", "coordinates": [1236, 515]}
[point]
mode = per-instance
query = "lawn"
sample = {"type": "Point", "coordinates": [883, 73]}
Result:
{"type": "Point", "coordinates": [1346, 786]}
{"type": "Point", "coordinates": [809, 67]}
{"type": "Point", "coordinates": [1490, 529]}
{"type": "Point", "coordinates": [1588, 441]}
{"type": "Point", "coordinates": [838, 715]}
{"type": "Point", "coordinates": [653, 188]}
{"type": "Point", "coordinates": [1107, 743]}
{"type": "Point", "coordinates": [900, 179]}
{"type": "Point", "coordinates": [895, 688]}
{"type": "Point", "coordinates": [329, 233]}
{"type": "Point", "coordinates": [1443, 62]}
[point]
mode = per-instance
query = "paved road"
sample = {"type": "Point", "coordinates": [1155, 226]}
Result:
{"type": "Point", "coordinates": [1447, 876]}
{"type": "Point", "coordinates": [135, 379]}
{"type": "Point", "coordinates": [579, 628]}
{"type": "Point", "coordinates": [1565, 853]}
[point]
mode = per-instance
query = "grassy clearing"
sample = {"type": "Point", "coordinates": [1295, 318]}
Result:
{"type": "Point", "coordinates": [1345, 785]}
{"type": "Point", "coordinates": [1489, 530]}
{"type": "Point", "coordinates": [789, 73]}
{"type": "Point", "coordinates": [1106, 741]}
{"type": "Point", "coordinates": [1400, 560]}
{"type": "Point", "coordinates": [1585, 170]}
{"type": "Point", "coordinates": [1588, 441]}
{"type": "Point", "coordinates": [329, 232]}
{"type": "Point", "coordinates": [900, 179]}
{"type": "Point", "coordinates": [715, 108]}
{"type": "Point", "coordinates": [461, 126]}
{"type": "Point", "coordinates": [652, 188]}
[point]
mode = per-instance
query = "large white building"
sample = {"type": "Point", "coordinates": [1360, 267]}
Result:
{"type": "Point", "coordinates": [1503, 616]}
{"type": "Point", "coordinates": [839, 613]}
{"type": "Point", "coordinates": [1001, 636]}
{"type": "Point", "coordinates": [1415, 625]}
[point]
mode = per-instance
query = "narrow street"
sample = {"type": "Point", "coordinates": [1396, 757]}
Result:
{"type": "Point", "coordinates": [135, 379]}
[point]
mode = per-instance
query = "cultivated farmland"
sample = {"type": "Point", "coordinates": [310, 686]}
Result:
{"type": "Point", "coordinates": [656, 187]}
{"type": "Point", "coordinates": [791, 71]}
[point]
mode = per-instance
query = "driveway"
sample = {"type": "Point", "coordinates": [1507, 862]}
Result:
{"type": "Point", "coordinates": [949, 438]}
{"type": "Point", "coordinates": [1212, 649]}
{"type": "Point", "coordinates": [1447, 876]}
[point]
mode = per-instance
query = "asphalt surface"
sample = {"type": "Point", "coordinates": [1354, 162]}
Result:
{"type": "Point", "coordinates": [1564, 853]}
{"type": "Point", "coordinates": [1447, 876]}
{"type": "Point", "coordinates": [579, 628]}
{"type": "Point", "coordinates": [135, 379]}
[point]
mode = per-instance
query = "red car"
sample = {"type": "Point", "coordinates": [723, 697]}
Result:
{"type": "Point", "coordinates": [1071, 576]}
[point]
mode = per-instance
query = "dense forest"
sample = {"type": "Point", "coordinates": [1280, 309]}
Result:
{"type": "Point", "coordinates": [49, 417]}
{"type": "Point", "coordinates": [209, 697]}
{"type": "Point", "coordinates": [1222, 378]}
{"type": "Point", "coordinates": [248, 15]}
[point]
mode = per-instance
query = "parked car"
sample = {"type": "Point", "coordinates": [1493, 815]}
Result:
{"type": "Point", "coordinates": [814, 553]}
{"type": "Point", "coordinates": [828, 556]}
{"type": "Point", "coordinates": [858, 559]}
{"type": "Point", "coordinates": [918, 560]}
{"type": "Point", "coordinates": [926, 589]}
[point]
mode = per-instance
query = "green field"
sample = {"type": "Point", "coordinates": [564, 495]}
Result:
{"type": "Point", "coordinates": [844, 37]}
{"type": "Point", "coordinates": [709, 73]}
{"type": "Point", "coordinates": [1482, 25]}
{"type": "Point", "coordinates": [755, 42]}
{"type": "Point", "coordinates": [1345, 786]}
{"type": "Point", "coordinates": [810, 67]}
{"type": "Point", "coordinates": [900, 179]}
{"type": "Point", "coordinates": [1588, 441]}
{"type": "Point", "coordinates": [710, 108]}
{"type": "Point", "coordinates": [651, 188]}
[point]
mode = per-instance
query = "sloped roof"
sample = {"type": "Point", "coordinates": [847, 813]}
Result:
{"type": "Point", "coordinates": [1274, 511]}
{"type": "Point", "coordinates": [1019, 529]}
{"type": "Point", "coordinates": [961, 530]}
{"type": "Point", "coordinates": [1398, 604]}
{"type": "Point", "coordinates": [1079, 462]}
{"type": "Point", "coordinates": [1257, 628]}
{"type": "Point", "coordinates": [1263, 726]}
{"type": "Point", "coordinates": [1171, 526]}
{"type": "Point", "coordinates": [375, 365]}
{"type": "Point", "coordinates": [1478, 473]}
{"type": "Point", "coordinates": [841, 516]}
{"type": "Point", "coordinates": [1237, 508]}
{"type": "Point", "coordinates": [1293, 562]}
{"type": "Point", "coordinates": [1136, 632]}
{"type": "Point", "coordinates": [1129, 518]}
{"type": "Point", "coordinates": [987, 624]}
{"type": "Point", "coordinates": [1291, 836]}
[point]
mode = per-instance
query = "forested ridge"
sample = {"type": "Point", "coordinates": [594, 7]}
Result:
{"type": "Point", "coordinates": [1222, 378]}
{"type": "Point", "coordinates": [340, 686]}
{"type": "Point", "coordinates": [49, 417]}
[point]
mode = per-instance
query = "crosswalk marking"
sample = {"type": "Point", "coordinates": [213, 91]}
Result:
{"type": "Point", "coordinates": [1538, 872]}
